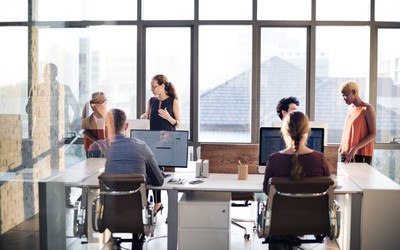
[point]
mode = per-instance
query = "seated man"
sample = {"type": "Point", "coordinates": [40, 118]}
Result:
{"type": "Point", "coordinates": [127, 155]}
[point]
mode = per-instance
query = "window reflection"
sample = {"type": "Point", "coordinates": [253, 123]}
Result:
{"type": "Point", "coordinates": [101, 58]}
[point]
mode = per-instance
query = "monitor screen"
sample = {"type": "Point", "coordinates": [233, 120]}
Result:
{"type": "Point", "coordinates": [271, 141]}
{"type": "Point", "coordinates": [170, 148]}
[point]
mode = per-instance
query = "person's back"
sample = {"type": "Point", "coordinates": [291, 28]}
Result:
{"type": "Point", "coordinates": [314, 164]}
{"type": "Point", "coordinates": [128, 155]}
{"type": "Point", "coordinates": [297, 161]}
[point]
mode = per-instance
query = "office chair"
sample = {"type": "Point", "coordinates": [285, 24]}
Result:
{"type": "Point", "coordinates": [294, 208]}
{"type": "Point", "coordinates": [122, 207]}
{"type": "Point", "coordinates": [246, 198]}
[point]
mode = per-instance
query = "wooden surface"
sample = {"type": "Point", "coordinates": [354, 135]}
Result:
{"type": "Point", "coordinates": [224, 157]}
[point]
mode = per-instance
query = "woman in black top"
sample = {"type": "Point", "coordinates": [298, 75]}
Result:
{"type": "Point", "coordinates": [164, 113]}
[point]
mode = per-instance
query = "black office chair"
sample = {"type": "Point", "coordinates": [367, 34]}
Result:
{"type": "Point", "coordinates": [122, 207]}
{"type": "Point", "coordinates": [295, 208]}
{"type": "Point", "coordinates": [245, 199]}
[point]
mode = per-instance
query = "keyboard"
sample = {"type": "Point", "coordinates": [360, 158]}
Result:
{"type": "Point", "coordinates": [177, 180]}
{"type": "Point", "coordinates": [166, 175]}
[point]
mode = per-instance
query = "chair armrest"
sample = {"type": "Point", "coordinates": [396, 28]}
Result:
{"type": "Point", "coordinates": [335, 214]}
{"type": "Point", "coordinates": [96, 214]}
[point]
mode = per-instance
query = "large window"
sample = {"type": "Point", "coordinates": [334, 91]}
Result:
{"type": "Point", "coordinates": [65, 10]}
{"type": "Point", "coordinates": [224, 83]}
{"type": "Point", "coordinates": [282, 69]}
{"type": "Point", "coordinates": [280, 10]}
{"type": "Point", "coordinates": [388, 94]}
{"type": "Point", "coordinates": [231, 61]}
{"type": "Point", "coordinates": [168, 53]}
{"type": "Point", "coordinates": [387, 10]}
{"type": "Point", "coordinates": [168, 10]}
{"type": "Point", "coordinates": [13, 10]}
{"type": "Point", "coordinates": [14, 75]}
{"type": "Point", "coordinates": [348, 10]}
{"type": "Point", "coordinates": [342, 53]}
{"type": "Point", "coordinates": [98, 58]}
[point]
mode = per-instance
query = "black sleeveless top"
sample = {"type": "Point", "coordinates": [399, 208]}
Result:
{"type": "Point", "coordinates": [156, 121]}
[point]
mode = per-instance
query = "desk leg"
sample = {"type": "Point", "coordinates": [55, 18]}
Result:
{"type": "Point", "coordinates": [52, 215]}
{"type": "Point", "coordinates": [172, 219]}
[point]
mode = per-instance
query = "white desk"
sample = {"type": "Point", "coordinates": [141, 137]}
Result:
{"type": "Point", "coordinates": [52, 201]}
{"type": "Point", "coordinates": [349, 195]}
{"type": "Point", "coordinates": [380, 211]}
{"type": "Point", "coordinates": [84, 174]}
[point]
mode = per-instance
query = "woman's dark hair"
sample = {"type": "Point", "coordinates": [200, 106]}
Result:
{"type": "Point", "coordinates": [294, 130]}
{"type": "Point", "coordinates": [169, 87]}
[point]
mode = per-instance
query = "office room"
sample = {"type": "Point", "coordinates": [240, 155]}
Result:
{"type": "Point", "coordinates": [224, 66]}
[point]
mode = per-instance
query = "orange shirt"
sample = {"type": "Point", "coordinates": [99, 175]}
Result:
{"type": "Point", "coordinates": [355, 129]}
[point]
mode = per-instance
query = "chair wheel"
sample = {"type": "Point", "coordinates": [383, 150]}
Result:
{"type": "Point", "coordinates": [254, 229]}
{"type": "Point", "coordinates": [247, 236]}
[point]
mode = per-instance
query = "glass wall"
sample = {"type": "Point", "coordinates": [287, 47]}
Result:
{"type": "Point", "coordinates": [231, 63]}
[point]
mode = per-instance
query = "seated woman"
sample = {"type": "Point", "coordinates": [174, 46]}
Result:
{"type": "Point", "coordinates": [297, 160]}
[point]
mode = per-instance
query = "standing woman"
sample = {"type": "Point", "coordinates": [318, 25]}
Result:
{"type": "Point", "coordinates": [164, 113]}
{"type": "Point", "coordinates": [359, 129]}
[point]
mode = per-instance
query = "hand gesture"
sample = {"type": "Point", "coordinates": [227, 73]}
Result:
{"type": "Point", "coordinates": [164, 113]}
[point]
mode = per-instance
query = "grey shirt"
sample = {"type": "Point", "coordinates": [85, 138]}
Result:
{"type": "Point", "coordinates": [129, 156]}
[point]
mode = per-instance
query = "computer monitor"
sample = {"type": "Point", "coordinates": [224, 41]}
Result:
{"type": "Point", "coordinates": [271, 141]}
{"type": "Point", "coordinates": [311, 124]}
{"type": "Point", "coordinates": [143, 124]}
{"type": "Point", "coordinates": [170, 148]}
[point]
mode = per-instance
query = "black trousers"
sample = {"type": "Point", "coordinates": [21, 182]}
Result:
{"type": "Point", "coordinates": [156, 195]}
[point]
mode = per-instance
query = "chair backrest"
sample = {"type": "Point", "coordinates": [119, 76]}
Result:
{"type": "Point", "coordinates": [300, 207]}
{"type": "Point", "coordinates": [122, 200]}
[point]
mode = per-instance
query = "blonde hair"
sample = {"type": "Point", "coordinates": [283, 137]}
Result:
{"type": "Point", "coordinates": [294, 130]}
{"type": "Point", "coordinates": [85, 111]}
{"type": "Point", "coordinates": [349, 86]}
